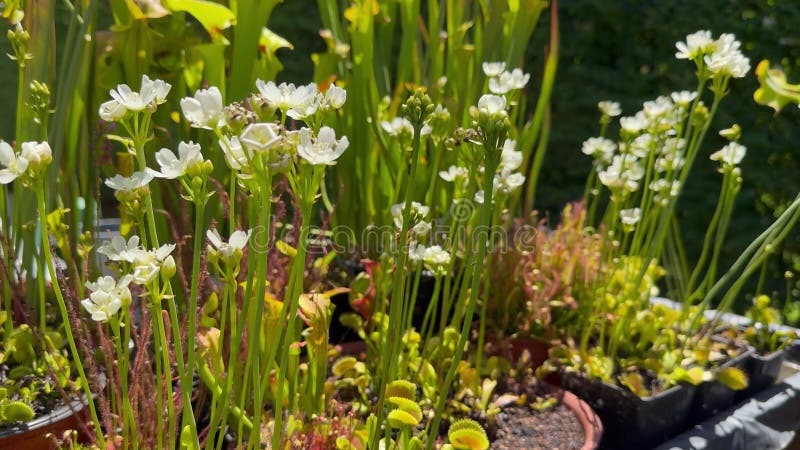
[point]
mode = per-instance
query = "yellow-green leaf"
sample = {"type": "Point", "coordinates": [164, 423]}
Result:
{"type": "Point", "coordinates": [213, 16]}
{"type": "Point", "coordinates": [733, 377]}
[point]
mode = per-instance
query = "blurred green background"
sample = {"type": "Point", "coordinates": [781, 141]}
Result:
{"type": "Point", "coordinates": [623, 50]}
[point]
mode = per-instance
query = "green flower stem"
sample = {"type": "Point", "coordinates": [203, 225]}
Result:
{"type": "Point", "coordinates": [62, 306]}
{"type": "Point", "coordinates": [220, 402]}
{"type": "Point", "coordinates": [184, 375]}
{"type": "Point", "coordinates": [241, 385]}
{"type": "Point", "coordinates": [391, 342]}
{"type": "Point", "coordinates": [307, 192]}
{"type": "Point", "coordinates": [477, 263]}
{"type": "Point", "coordinates": [751, 253]}
{"type": "Point", "coordinates": [210, 380]}
{"type": "Point", "coordinates": [254, 329]}
{"type": "Point", "coordinates": [199, 228]}
{"type": "Point", "coordinates": [704, 253]}
{"type": "Point", "coordinates": [163, 365]}
{"type": "Point", "coordinates": [129, 423]}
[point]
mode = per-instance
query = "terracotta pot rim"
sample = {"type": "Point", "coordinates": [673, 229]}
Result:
{"type": "Point", "coordinates": [66, 414]}
{"type": "Point", "coordinates": [590, 421]}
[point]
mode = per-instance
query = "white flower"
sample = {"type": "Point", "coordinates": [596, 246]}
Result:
{"type": "Point", "coordinates": [151, 94]}
{"type": "Point", "coordinates": [38, 154]}
{"type": "Point", "coordinates": [641, 146]}
{"type": "Point", "coordinates": [172, 167]}
{"type": "Point", "coordinates": [454, 173]}
{"type": "Point", "coordinates": [234, 153]}
{"type": "Point", "coordinates": [511, 159]}
{"type": "Point", "coordinates": [15, 165]}
{"type": "Point", "coordinates": [260, 136]}
{"type": "Point", "coordinates": [492, 104]}
{"type": "Point", "coordinates": [599, 148]}
{"type": "Point", "coordinates": [335, 97]}
{"type": "Point", "coordinates": [128, 184]}
{"type": "Point", "coordinates": [148, 263]}
{"type": "Point", "coordinates": [118, 250]}
{"type": "Point", "coordinates": [204, 110]}
{"type": "Point", "coordinates": [107, 297]}
{"type": "Point", "coordinates": [633, 124]}
{"type": "Point", "coordinates": [493, 69]}
{"type": "Point", "coordinates": [478, 197]}
{"type": "Point", "coordinates": [630, 216]}
{"type": "Point", "coordinates": [324, 150]}
{"type": "Point", "coordinates": [727, 59]}
{"type": "Point", "coordinates": [696, 44]}
{"type": "Point", "coordinates": [421, 229]}
{"type": "Point", "coordinates": [399, 126]}
{"type": "Point", "coordinates": [227, 250]}
{"type": "Point", "coordinates": [290, 97]}
{"type": "Point", "coordinates": [112, 111]}
{"type": "Point", "coordinates": [730, 155]}
{"type": "Point", "coordinates": [418, 212]}
{"type": "Point", "coordinates": [683, 98]}
{"type": "Point", "coordinates": [624, 172]}
{"type": "Point", "coordinates": [609, 108]}
{"type": "Point", "coordinates": [508, 182]}
{"type": "Point", "coordinates": [436, 259]}
{"type": "Point", "coordinates": [416, 252]}
{"type": "Point", "coordinates": [508, 81]}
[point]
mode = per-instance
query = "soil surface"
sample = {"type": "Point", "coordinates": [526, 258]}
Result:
{"type": "Point", "coordinates": [520, 427]}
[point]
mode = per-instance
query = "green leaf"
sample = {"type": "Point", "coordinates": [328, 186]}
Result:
{"type": "Point", "coordinates": [213, 16]}
{"type": "Point", "coordinates": [732, 377]}
{"type": "Point", "coordinates": [399, 419]}
{"type": "Point", "coordinates": [18, 412]}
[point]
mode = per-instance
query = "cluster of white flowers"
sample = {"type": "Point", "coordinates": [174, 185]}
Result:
{"type": "Point", "coordinates": [34, 157]}
{"type": "Point", "coordinates": [142, 265]}
{"type": "Point", "coordinates": [124, 99]}
{"type": "Point", "coordinates": [722, 56]}
{"type": "Point", "coordinates": [435, 258]}
{"type": "Point", "coordinates": [650, 132]}
{"type": "Point", "coordinates": [145, 264]}
{"type": "Point", "coordinates": [107, 297]}
{"type": "Point", "coordinates": [301, 102]}
{"type": "Point", "coordinates": [502, 81]}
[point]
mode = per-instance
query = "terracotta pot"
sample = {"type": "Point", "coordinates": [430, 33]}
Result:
{"type": "Point", "coordinates": [590, 421]}
{"type": "Point", "coordinates": [33, 435]}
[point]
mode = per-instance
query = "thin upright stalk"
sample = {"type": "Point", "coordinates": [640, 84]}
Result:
{"type": "Point", "coordinates": [62, 306]}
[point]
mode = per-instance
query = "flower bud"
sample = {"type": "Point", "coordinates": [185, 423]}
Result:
{"type": "Point", "coordinates": [733, 133]}
{"type": "Point", "coordinates": [168, 268]}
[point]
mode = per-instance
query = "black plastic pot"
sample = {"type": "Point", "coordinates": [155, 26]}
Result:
{"type": "Point", "coordinates": [762, 371]}
{"type": "Point", "coordinates": [632, 422]}
{"type": "Point", "coordinates": [712, 396]}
